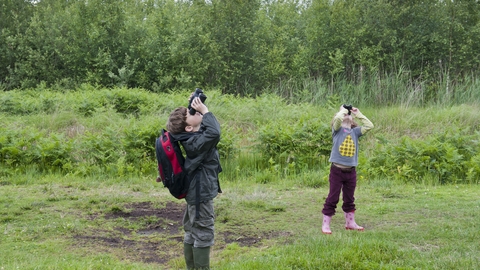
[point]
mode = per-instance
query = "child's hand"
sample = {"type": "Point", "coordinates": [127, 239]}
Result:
{"type": "Point", "coordinates": [198, 105]}
{"type": "Point", "coordinates": [355, 110]}
{"type": "Point", "coordinates": [343, 110]}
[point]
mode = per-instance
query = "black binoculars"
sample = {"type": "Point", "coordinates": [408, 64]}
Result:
{"type": "Point", "coordinates": [349, 108]}
{"type": "Point", "coordinates": [198, 93]}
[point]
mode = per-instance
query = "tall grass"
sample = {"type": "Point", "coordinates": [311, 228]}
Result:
{"type": "Point", "coordinates": [378, 90]}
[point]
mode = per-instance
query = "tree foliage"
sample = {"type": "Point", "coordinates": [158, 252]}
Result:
{"type": "Point", "coordinates": [239, 46]}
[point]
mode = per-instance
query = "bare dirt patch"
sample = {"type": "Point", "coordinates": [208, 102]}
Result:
{"type": "Point", "coordinates": [157, 236]}
{"type": "Point", "coordinates": [151, 242]}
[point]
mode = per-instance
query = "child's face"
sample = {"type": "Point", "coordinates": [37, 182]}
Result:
{"type": "Point", "coordinates": [347, 120]}
{"type": "Point", "coordinates": [194, 121]}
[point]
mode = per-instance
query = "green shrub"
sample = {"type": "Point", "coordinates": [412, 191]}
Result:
{"type": "Point", "coordinates": [19, 103]}
{"type": "Point", "coordinates": [93, 131]}
{"type": "Point", "coordinates": [227, 147]}
{"type": "Point", "coordinates": [303, 142]}
{"type": "Point", "coordinates": [100, 148]}
{"type": "Point", "coordinates": [87, 105]}
{"type": "Point", "coordinates": [139, 143]}
{"type": "Point", "coordinates": [446, 157]}
{"type": "Point", "coordinates": [473, 170]}
{"type": "Point", "coordinates": [129, 101]}
{"type": "Point", "coordinates": [52, 153]}
{"type": "Point", "coordinates": [28, 147]}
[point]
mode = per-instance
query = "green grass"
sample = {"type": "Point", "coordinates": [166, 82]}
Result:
{"type": "Point", "coordinates": [407, 227]}
{"type": "Point", "coordinates": [269, 216]}
{"type": "Point", "coordinates": [60, 222]}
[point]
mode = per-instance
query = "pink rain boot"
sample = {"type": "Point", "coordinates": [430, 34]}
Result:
{"type": "Point", "coordinates": [326, 225]}
{"type": "Point", "coordinates": [350, 222]}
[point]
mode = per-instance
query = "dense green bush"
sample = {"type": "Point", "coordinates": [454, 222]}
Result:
{"type": "Point", "coordinates": [302, 143]}
{"type": "Point", "coordinates": [19, 103]}
{"type": "Point", "coordinates": [263, 138]}
{"type": "Point", "coordinates": [129, 101]}
{"type": "Point", "coordinates": [90, 130]}
{"type": "Point", "coordinates": [27, 147]}
{"type": "Point", "coordinates": [473, 169]}
{"type": "Point", "coordinates": [447, 157]}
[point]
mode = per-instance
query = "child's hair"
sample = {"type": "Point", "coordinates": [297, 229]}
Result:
{"type": "Point", "coordinates": [177, 121]}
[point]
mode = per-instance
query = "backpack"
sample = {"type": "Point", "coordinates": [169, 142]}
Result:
{"type": "Point", "coordinates": [170, 165]}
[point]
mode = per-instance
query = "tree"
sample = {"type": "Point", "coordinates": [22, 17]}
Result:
{"type": "Point", "coordinates": [16, 16]}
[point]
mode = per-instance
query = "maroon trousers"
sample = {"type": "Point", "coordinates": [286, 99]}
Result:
{"type": "Point", "coordinates": [344, 181]}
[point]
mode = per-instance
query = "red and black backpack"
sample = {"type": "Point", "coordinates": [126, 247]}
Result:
{"type": "Point", "coordinates": [170, 165]}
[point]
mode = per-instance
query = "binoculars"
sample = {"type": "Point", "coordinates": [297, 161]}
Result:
{"type": "Point", "coordinates": [198, 93]}
{"type": "Point", "coordinates": [349, 108]}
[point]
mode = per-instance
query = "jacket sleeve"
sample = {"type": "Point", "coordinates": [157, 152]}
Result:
{"type": "Point", "coordinates": [338, 118]}
{"type": "Point", "coordinates": [202, 143]}
{"type": "Point", "coordinates": [210, 134]}
{"type": "Point", "coordinates": [367, 125]}
{"type": "Point", "coordinates": [212, 127]}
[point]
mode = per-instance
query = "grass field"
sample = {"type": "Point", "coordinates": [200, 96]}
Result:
{"type": "Point", "coordinates": [78, 191]}
{"type": "Point", "coordinates": [61, 222]}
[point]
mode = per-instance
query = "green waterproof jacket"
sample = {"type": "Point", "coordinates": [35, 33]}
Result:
{"type": "Point", "coordinates": [202, 161]}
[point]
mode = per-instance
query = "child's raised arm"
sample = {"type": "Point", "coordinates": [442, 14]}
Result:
{"type": "Point", "coordinates": [366, 123]}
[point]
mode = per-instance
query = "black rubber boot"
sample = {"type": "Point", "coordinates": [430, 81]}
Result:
{"type": "Point", "coordinates": [202, 258]}
{"type": "Point", "coordinates": [188, 253]}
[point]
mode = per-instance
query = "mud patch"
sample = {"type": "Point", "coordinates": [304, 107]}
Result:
{"type": "Point", "coordinates": [254, 239]}
{"type": "Point", "coordinates": [157, 240]}
{"type": "Point", "coordinates": [155, 235]}
{"type": "Point", "coordinates": [169, 218]}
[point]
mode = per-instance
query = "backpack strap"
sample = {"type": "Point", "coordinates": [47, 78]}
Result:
{"type": "Point", "coordinates": [183, 137]}
{"type": "Point", "coordinates": [197, 200]}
